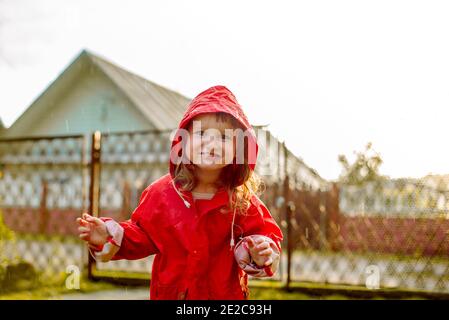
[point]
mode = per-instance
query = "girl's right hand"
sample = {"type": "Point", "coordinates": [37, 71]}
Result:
{"type": "Point", "coordinates": [92, 230]}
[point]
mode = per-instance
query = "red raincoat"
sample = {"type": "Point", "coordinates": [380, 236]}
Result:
{"type": "Point", "coordinates": [191, 240]}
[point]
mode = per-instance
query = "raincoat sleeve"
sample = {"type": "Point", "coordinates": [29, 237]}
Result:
{"type": "Point", "coordinates": [128, 239]}
{"type": "Point", "coordinates": [258, 224]}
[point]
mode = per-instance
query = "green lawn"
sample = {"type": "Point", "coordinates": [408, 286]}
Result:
{"type": "Point", "coordinates": [52, 289]}
{"type": "Point", "coordinates": [45, 293]}
{"type": "Point", "coordinates": [280, 294]}
{"type": "Point", "coordinates": [259, 290]}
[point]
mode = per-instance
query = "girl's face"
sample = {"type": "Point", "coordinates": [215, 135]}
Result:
{"type": "Point", "coordinates": [211, 143]}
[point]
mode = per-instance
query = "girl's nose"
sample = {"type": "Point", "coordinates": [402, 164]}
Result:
{"type": "Point", "coordinates": [212, 141]}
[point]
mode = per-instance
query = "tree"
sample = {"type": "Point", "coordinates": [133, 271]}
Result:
{"type": "Point", "coordinates": [365, 167]}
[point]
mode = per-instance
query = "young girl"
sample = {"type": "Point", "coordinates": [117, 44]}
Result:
{"type": "Point", "coordinates": [202, 220]}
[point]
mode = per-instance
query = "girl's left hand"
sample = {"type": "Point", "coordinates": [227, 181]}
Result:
{"type": "Point", "coordinates": [260, 251]}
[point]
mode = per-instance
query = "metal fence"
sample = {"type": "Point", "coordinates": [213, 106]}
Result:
{"type": "Point", "coordinates": [43, 185]}
{"type": "Point", "coordinates": [130, 161]}
{"type": "Point", "coordinates": [389, 234]}
{"type": "Point", "coordinates": [383, 235]}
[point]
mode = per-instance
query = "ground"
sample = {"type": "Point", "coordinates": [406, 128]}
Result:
{"type": "Point", "coordinates": [99, 290]}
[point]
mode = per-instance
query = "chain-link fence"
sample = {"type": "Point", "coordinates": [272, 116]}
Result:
{"type": "Point", "coordinates": [43, 186]}
{"type": "Point", "coordinates": [130, 161]}
{"type": "Point", "coordinates": [385, 234]}
{"type": "Point", "coordinates": [389, 234]}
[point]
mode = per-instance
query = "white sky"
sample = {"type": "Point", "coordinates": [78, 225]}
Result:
{"type": "Point", "coordinates": [328, 76]}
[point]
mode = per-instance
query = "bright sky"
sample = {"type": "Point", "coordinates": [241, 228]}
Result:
{"type": "Point", "coordinates": [328, 76]}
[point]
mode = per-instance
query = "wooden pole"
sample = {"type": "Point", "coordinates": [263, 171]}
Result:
{"type": "Point", "coordinates": [94, 189]}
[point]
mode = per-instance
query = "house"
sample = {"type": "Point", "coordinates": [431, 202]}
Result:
{"type": "Point", "coordinates": [94, 94]}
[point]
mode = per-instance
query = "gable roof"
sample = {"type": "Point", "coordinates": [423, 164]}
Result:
{"type": "Point", "coordinates": [162, 107]}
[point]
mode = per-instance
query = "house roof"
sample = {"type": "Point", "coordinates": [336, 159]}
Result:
{"type": "Point", "coordinates": [162, 106]}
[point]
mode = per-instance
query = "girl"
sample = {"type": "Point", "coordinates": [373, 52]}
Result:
{"type": "Point", "coordinates": [202, 220]}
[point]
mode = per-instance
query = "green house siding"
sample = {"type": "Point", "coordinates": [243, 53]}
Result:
{"type": "Point", "coordinates": [94, 103]}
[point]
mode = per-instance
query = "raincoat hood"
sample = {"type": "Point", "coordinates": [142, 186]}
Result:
{"type": "Point", "coordinates": [214, 99]}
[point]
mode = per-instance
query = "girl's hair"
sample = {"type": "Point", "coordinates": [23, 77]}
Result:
{"type": "Point", "coordinates": [238, 179]}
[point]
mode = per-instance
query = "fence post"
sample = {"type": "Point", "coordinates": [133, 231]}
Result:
{"type": "Point", "coordinates": [333, 210]}
{"type": "Point", "coordinates": [288, 216]}
{"type": "Point", "coordinates": [94, 189]}
{"type": "Point", "coordinates": [323, 221]}
{"type": "Point", "coordinates": [290, 211]}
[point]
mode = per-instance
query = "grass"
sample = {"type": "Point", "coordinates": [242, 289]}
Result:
{"type": "Point", "coordinates": [54, 288]}
{"type": "Point", "coordinates": [257, 292]}
{"type": "Point", "coordinates": [259, 289]}
{"type": "Point", "coordinates": [281, 294]}
{"type": "Point", "coordinates": [54, 292]}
